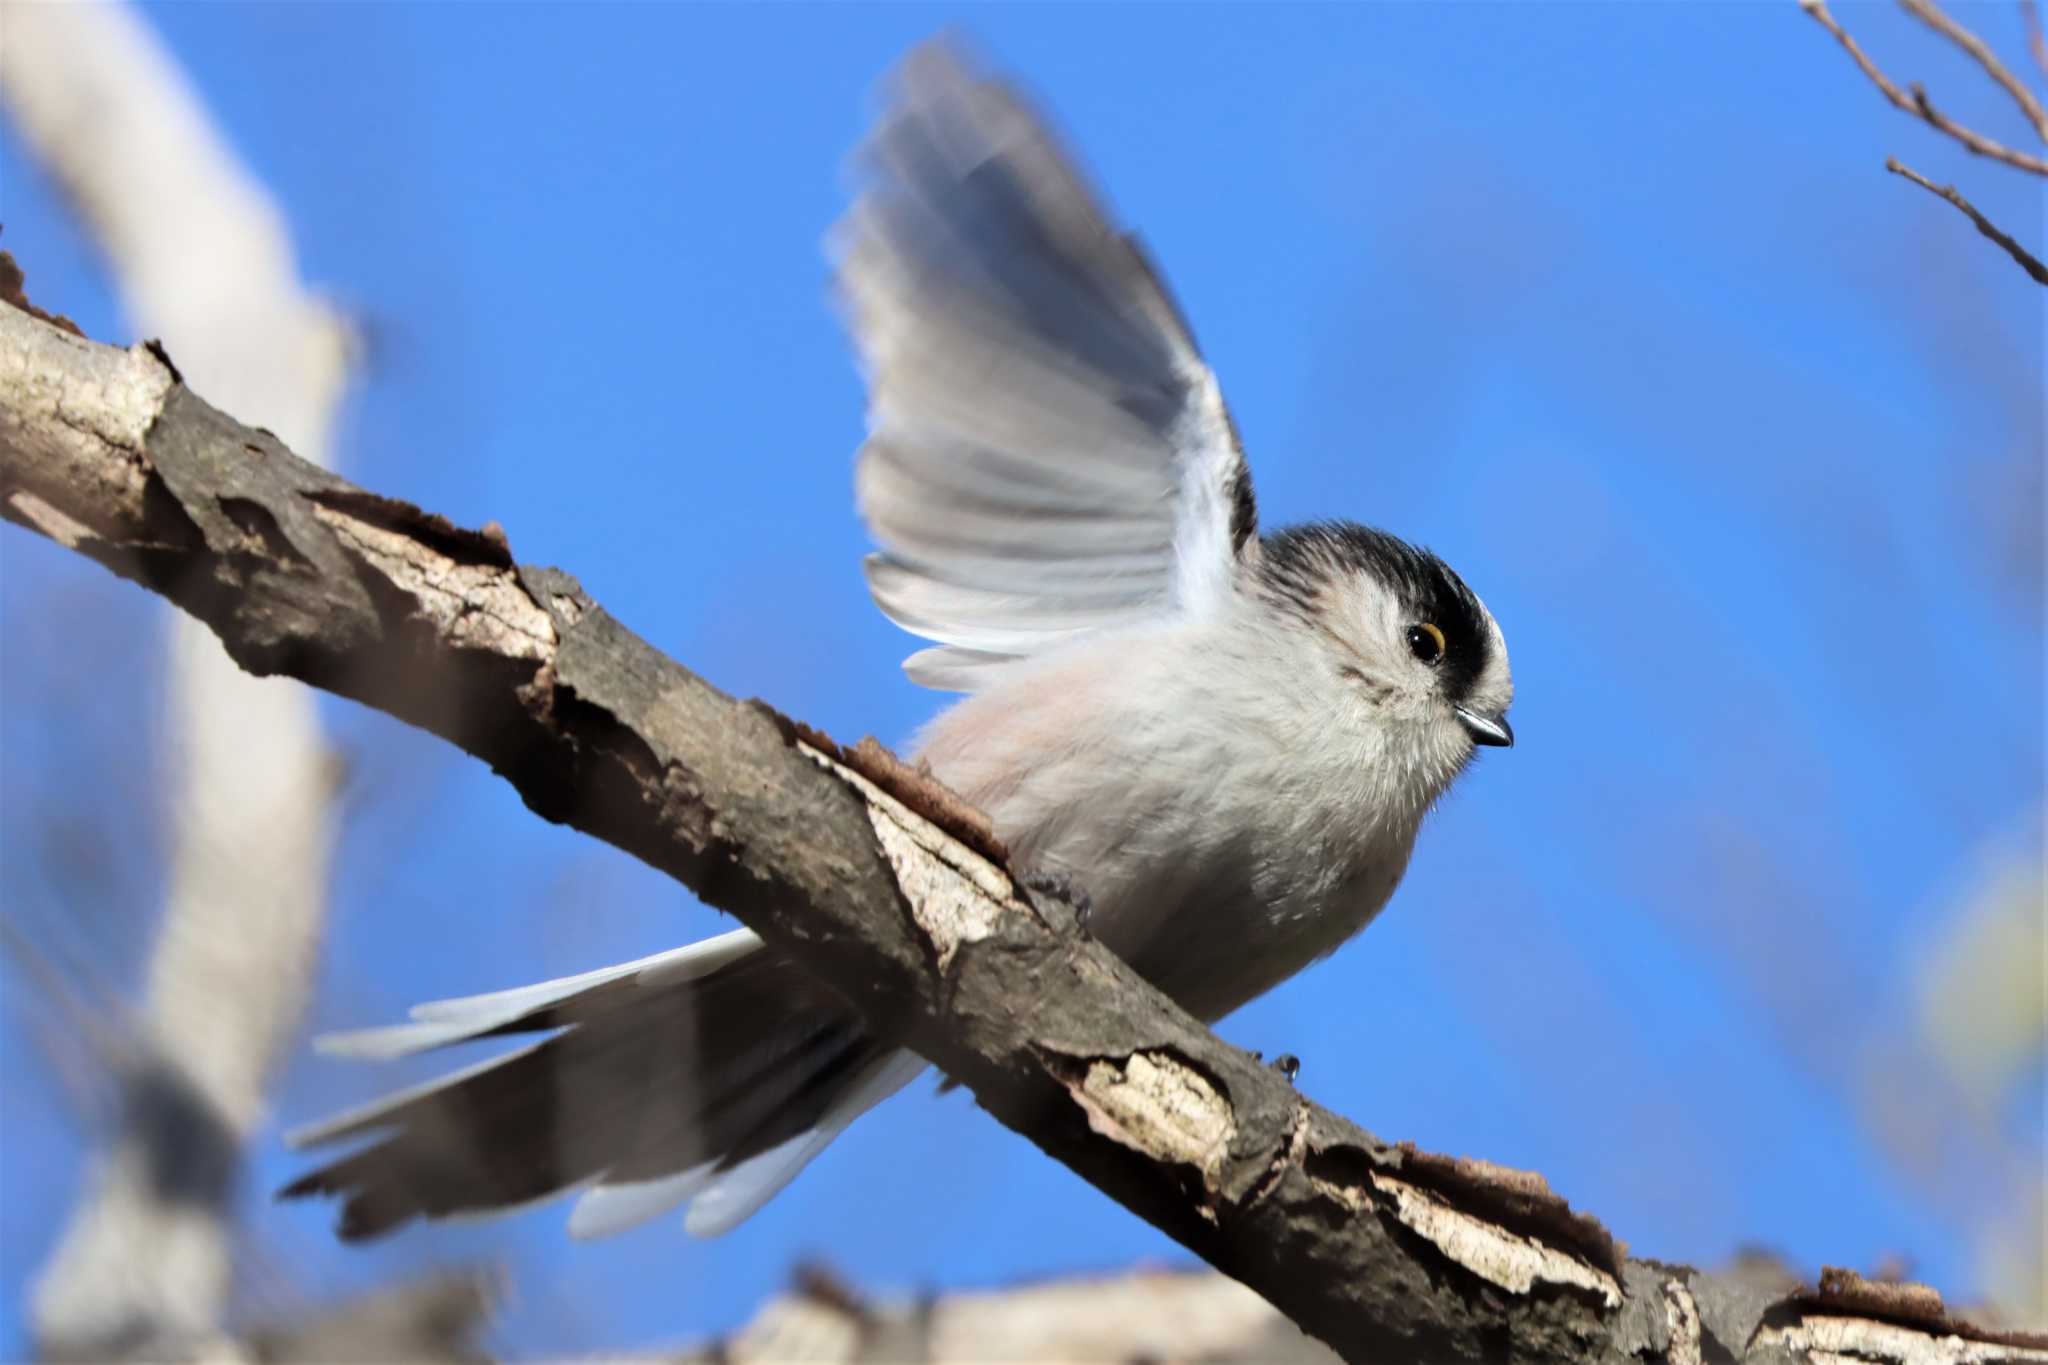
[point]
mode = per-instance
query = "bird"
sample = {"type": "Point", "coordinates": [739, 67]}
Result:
{"type": "Point", "coordinates": [1224, 740]}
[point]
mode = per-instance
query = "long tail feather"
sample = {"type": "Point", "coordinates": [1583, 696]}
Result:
{"type": "Point", "coordinates": [713, 1072]}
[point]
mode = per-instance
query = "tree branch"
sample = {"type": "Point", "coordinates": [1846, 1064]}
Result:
{"type": "Point", "coordinates": [1384, 1252]}
{"type": "Point", "coordinates": [1984, 225]}
{"type": "Point", "coordinates": [1932, 15]}
{"type": "Point", "coordinates": [1917, 103]}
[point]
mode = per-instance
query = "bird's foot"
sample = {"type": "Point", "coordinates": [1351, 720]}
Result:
{"type": "Point", "coordinates": [1059, 886]}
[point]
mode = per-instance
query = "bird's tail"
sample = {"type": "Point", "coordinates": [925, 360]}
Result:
{"type": "Point", "coordinates": [708, 1075]}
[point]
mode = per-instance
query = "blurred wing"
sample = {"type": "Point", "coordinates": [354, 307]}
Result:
{"type": "Point", "coordinates": [1047, 453]}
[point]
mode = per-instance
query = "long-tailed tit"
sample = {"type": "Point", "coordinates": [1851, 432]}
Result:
{"type": "Point", "coordinates": [1225, 740]}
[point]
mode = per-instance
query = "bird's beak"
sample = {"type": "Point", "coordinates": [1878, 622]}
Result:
{"type": "Point", "coordinates": [1484, 729]}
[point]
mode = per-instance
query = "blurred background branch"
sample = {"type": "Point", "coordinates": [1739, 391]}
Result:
{"type": "Point", "coordinates": [1140, 1315]}
{"type": "Point", "coordinates": [203, 258]}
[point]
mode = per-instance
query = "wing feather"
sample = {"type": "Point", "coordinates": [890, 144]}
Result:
{"type": "Point", "coordinates": [1048, 455]}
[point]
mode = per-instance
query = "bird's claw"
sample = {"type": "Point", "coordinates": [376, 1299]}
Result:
{"type": "Point", "coordinates": [1059, 886]}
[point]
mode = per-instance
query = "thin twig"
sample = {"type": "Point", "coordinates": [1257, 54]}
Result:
{"type": "Point", "coordinates": [1984, 225]}
{"type": "Point", "coordinates": [1930, 14]}
{"type": "Point", "coordinates": [1917, 103]}
{"type": "Point", "coordinates": [2036, 46]}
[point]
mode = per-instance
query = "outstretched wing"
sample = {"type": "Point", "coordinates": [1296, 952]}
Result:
{"type": "Point", "coordinates": [1047, 453]}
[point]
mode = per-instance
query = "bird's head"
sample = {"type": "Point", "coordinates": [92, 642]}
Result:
{"type": "Point", "coordinates": [1400, 633]}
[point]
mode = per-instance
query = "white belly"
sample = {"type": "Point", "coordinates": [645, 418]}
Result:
{"type": "Point", "coordinates": [1220, 859]}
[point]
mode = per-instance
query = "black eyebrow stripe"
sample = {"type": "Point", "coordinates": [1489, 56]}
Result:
{"type": "Point", "coordinates": [1298, 563]}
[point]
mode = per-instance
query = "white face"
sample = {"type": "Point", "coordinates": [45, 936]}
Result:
{"type": "Point", "coordinates": [1397, 625]}
{"type": "Point", "coordinates": [1394, 651]}
{"type": "Point", "coordinates": [1417, 665]}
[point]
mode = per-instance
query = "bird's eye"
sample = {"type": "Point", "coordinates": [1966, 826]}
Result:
{"type": "Point", "coordinates": [1426, 642]}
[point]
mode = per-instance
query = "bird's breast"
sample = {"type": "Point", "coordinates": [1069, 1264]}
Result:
{"type": "Point", "coordinates": [1220, 857]}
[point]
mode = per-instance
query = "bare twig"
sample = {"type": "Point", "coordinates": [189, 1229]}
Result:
{"type": "Point", "coordinates": [1984, 225]}
{"type": "Point", "coordinates": [2036, 45]}
{"type": "Point", "coordinates": [1385, 1252]}
{"type": "Point", "coordinates": [1917, 103]}
{"type": "Point", "coordinates": [1930, 14]}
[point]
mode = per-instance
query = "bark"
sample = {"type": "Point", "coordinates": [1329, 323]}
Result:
{"type": "Point", "coordinates": [868, 875]}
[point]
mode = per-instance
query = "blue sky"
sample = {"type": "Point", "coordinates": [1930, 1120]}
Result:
{"type": "Point", "coordinates": [1614, 306]}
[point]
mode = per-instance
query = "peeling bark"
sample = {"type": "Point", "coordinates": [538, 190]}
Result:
{"type": "Point", "coordinates": [883, 887]}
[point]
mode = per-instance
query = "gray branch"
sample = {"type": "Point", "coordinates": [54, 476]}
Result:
{"type": "Point", "coordinates": [882, 886]}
